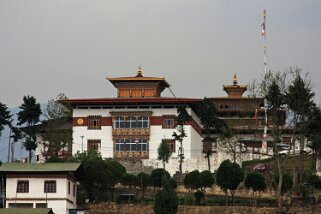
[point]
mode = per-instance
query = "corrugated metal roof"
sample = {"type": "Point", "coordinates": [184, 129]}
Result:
{"type": "Point", "coordinates": [39, 167]}
{"type": "Point", "coordinates": [26, 211]}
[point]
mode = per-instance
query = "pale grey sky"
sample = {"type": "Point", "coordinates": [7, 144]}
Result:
{"type": "Point", "coordinates": [71, 46]}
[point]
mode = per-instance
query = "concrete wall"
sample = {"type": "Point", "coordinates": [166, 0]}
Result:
{"type": "Point", "coordinates": [192, 143]}
{"type": "Point", "coordinates": [57, 201]}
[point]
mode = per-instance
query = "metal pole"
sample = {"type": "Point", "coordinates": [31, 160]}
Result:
{"type": "Point", "coordinates": [82, 144]}
{"type": "Point", "coordinates": [9, 146]}
{"type": "Point", "coordinates": [3, 192]}
{"type": "Point", "coordinates": [264, 142]}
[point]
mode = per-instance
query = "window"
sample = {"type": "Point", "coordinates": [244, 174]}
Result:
{"type": "Point", "coordinates": [171, 144]}
{"type": "Point", "coordinates": [131, 122]}
{"type": "Point", "coordinates": [169, 122]}
{"type": "Point", "coordinates": [93, 145]}
{"type": "Point", "coordinates": [119, 122]}
{"type": "Point", "coordinates": [74, 190]}
{"type": "Point", "coordinates": [23, 186]}
{"type": "Point", "coordinates": [68, 187]}
{"type": "Point", "coordinates": [94, 122]}
{"type": "Point", "coordinates": [50, 186]}
{"type": "Point", "coordinates": [41, 205]}
{"type": "Point", "coordinates": [131, 145]}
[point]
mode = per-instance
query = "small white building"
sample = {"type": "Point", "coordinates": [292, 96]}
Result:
{"type": "Point", "coordinates": [51, 185]}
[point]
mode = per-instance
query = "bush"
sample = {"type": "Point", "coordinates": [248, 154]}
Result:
{"type": "Point", "coordinates": [157, 177]}
{"type": "Point", "coordinates": [166, 200]}
{"type": "Point", "coordinates": [199, 195]}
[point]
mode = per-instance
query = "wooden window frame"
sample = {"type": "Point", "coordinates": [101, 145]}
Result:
{"type": "Point", "coordinates": [93, 145]}
{"type": "Point", "coordinates": [132, 144]}
{"type": "Point", "coordinates": [94, 122]}
{"type": "Point", "coordinates": [23, 186]}
{"type": "Point", "coordinates": [170, 125]}
{"type": "Point", "coordinates": [50, 186]}
{"type": "Point", "coordinates": [68, 187]}
{"type": "Point", "coordinates": [172, 144]}
{"type": "Point", "coordinates": [74, 190]}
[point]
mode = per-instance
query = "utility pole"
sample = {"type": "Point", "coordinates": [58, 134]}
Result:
{"type": "Point", "coordinates": [9, 146]}
{"type": "Point", "coordinates": [263, 33]}
{"type": "Point", "coordinates": [82, 144]}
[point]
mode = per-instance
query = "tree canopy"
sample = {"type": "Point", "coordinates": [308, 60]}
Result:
{"type": "Point", "coordinates": [166, 200]}
{"type": "Point", "coordinates": [29, 115]}
{"type": "Point", "coordinates": [99, 174]}
{"type": "Point", "coordinates": [229, 175]}
{"type": "Point", "coordinates": [164, 152]}
{"type": "Point", "coordinates": [157, 177]}
{"type": "Point", "coordinates": [179, 136]}
{"type": "Point", "coordinates": [5, 117]}
{"type": "Point", "coordinates": [255, 181]}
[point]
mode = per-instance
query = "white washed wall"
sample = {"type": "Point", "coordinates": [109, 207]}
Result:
{"type": "Point", "coordinates": [36, 190]}
{"type": "Point", "coordinates": [157, 133]}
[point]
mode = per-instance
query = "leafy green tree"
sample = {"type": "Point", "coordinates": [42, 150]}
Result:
{"type": "Point", "coordinates": [144, 181]}
{"type": "Point", "coordinates": [276, 101]}
{"type": "Point", "coordinates": [164, 152]}
{"type": "Point", "coordinates": [157, 176]}
{"type": "Point", "coordinates": [198, 182]}
{"type": "Point", "coordinates": [209, 121]}
{"type": "Point", "coordinates": [29, 115]}
{"type": "Point", "coordinates": [5, 117]}
{"type": "Point", "coordinates": [199, 195]}
{"type": "Point", "coordinates": [207, 179]}
{"type": "Point", "coordinates": [166, 200]}
{"type": "Point", "coordinates": [313, 133]}
{"type": "Point", "coordinates": [229, 175]}
{"type": "Point", "coordinates": [173, 183]}
{"type": "Point", "coordinates": [179, 136]}
{"type": "Point", "coordinates": [299, 99]}
{"type": "Point", "coordinates": [256, 182]}
{"type": "Point", "coordinates": [129, 180]}
{"type": "Point", "coordinates": [97, 175]}
{"type": "Point", "coordinates": [192, 180]}
{"type": "Point", "coordinates": [56, 131]}
{"type": "Point", "coordinates": [116, 168]}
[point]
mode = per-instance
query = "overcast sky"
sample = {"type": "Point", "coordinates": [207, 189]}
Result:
{"type": "Point", "coordinates": [71, 46]}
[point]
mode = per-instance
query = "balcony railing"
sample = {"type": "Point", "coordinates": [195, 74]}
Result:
{"type": "Point", "coordinates": [131, 132]}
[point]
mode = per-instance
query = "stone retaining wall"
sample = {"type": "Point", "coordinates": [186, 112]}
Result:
{"type": "Point", "coordinates": [113, 208]}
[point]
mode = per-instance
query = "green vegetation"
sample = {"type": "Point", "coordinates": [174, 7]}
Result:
{"type": "Point", "coordinates": [229, 175]}
{"type": "Point", "coordinates": [179, 136]}
{"type": "Point", "coordinates": [166, 200]}
{"type": "Point", "coordinates": [157, 176]}
{"type": "Point", "coordinates": [209, 121]}
{"type": "Point", "coordinates": [164, 152]}
{"type": "Point", "coordinates": [29, 115]}
{"type": "Point", "coordinates": [5, 117]}
{"type": "Point", "coordinates": [197, 182]}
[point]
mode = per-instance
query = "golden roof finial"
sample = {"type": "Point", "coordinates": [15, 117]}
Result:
{"type": "Point", "coordinates": [139, 72]}
{"type": "Point", "coordinates": [234, 80]}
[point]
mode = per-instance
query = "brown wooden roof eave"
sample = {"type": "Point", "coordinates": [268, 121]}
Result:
{"type": "Point", "coordinates": [139, 79]}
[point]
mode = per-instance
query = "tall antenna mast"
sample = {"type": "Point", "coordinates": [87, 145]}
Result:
{"type": "Point", "coordinates": [263, 33]}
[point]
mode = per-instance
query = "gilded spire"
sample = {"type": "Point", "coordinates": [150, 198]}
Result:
{"type": "Point", "coordinates": [139, 72]}
{"type": "Point", "coordinates": [234, 80]}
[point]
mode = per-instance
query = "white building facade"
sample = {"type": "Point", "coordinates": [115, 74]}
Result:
{"type": "Point", "coordinates": [133, 125]}
{"type": "Point", "coordinates": [51, 185]}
